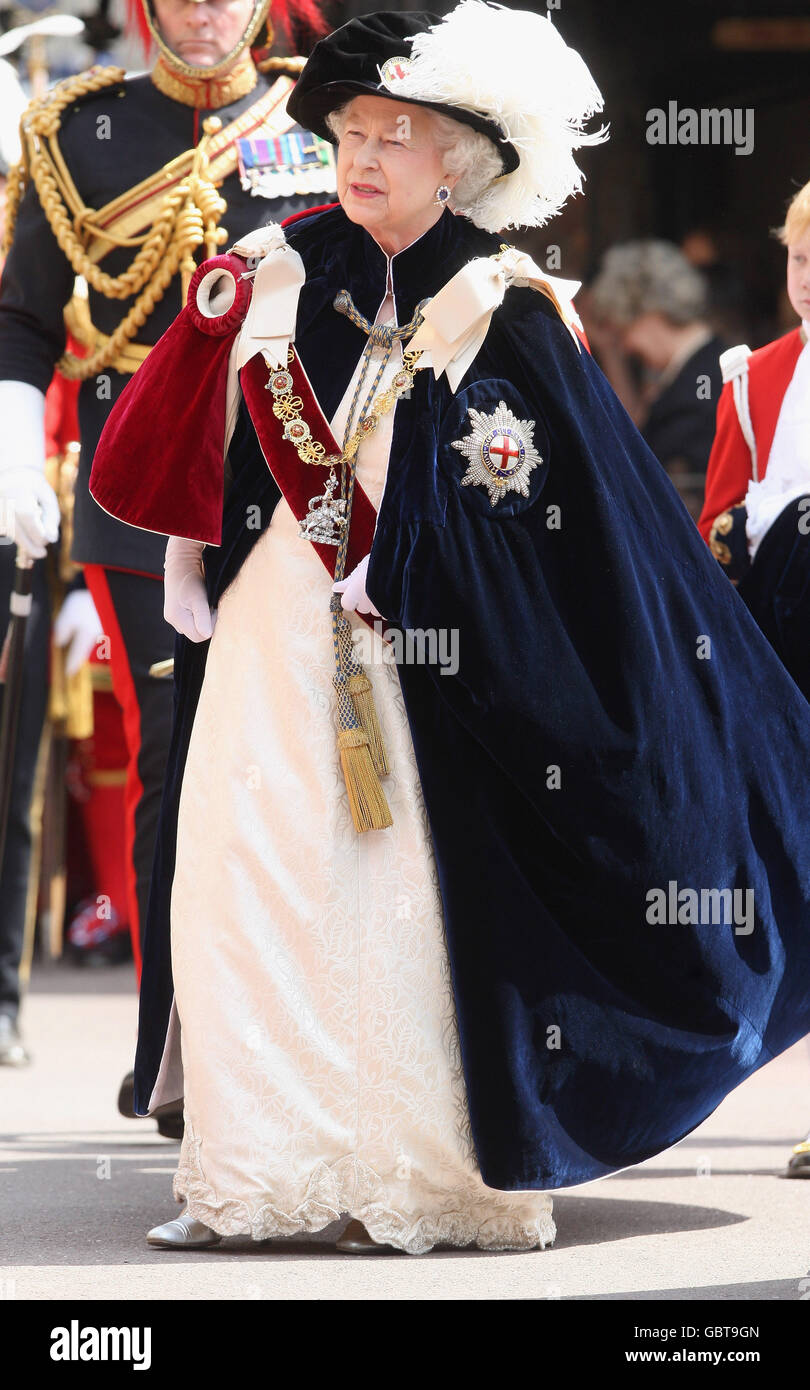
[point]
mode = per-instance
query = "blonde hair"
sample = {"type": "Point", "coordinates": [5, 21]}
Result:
{"type": "Point", "coordinates": [797, 221]}
{"type": "Point", "coordinates": [468, 156]}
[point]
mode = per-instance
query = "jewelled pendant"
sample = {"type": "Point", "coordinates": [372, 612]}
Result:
{"type": "Point", "coordinates": [325, 520]}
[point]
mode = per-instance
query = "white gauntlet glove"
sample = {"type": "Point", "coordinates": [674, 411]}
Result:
{"type": "Point", "coordinates": [353, 590]}
{"type": "Point", "coordinates": [186, 600]}
{"type": "Point", "coordinates": [29, 509]}
{"type": "Point", "coordinates": [79, 624]}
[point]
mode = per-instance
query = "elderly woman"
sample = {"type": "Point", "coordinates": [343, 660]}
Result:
{"type": "Point", "coordinates": [426, 971]}
{"type": "Point", "coordinates": [653, 305]}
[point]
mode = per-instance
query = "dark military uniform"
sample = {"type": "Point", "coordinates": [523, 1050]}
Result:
{"type": "Point", "coordinates": [110, 168]}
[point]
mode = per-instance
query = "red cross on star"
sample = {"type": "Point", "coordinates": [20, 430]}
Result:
{"type": "Point", "coordinates": [505, 446]}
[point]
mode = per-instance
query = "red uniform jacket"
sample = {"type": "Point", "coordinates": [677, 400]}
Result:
{"type": "Point", "coordinates": [770, 370]}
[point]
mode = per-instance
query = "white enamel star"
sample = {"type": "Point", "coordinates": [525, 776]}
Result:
{"type": "Point", "coordinates": [501, 452]}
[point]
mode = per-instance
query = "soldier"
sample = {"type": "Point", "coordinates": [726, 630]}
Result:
{"type": "Point", "coordinates": [17, 891]}
{"type": "Point", "coordinates": [123, 181]}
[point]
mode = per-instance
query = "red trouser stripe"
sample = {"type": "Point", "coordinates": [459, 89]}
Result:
{"type": "Point", "coordinates": [124, 688]}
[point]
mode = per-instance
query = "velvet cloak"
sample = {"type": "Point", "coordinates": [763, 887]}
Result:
{"type": "Point", "coordinates": [618, 733]}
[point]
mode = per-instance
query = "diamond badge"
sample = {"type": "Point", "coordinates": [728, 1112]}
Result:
{"type": "Point", "coordinates": [501, 452]}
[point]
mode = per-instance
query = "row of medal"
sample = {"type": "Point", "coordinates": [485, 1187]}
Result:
{"type": "Point", "coordinates": [283, 166]}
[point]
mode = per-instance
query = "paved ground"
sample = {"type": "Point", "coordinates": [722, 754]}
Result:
{"type": "Point", "coordinates": [710, 1219]}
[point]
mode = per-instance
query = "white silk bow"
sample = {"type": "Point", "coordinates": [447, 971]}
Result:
{"type": "Point", "coordinates": [269, 325]}
{"type": "Point", "coordinates": [456, 320]}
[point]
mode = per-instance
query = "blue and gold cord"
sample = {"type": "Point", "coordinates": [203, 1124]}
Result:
{"type": "Point", "coordinates": [357, 718]}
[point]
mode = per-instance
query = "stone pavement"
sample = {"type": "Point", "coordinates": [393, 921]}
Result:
{"type": "Point", "coordinates": [711, 1219]}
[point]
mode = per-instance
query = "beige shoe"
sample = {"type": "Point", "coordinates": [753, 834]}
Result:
{"type": "Point", "coordinates": [184, 1233]}
{"type": "Point", "coordinates": [357, 1241]}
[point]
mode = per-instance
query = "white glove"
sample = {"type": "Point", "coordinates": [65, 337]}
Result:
{"type": "Point", "coordinates": [79, 624]}
{"type": "Point", "coordinates": [353, 590]}
{"type": "Point", "coordinates": [29, 509]}
{"type": "Point", "coordinates": [186, 601]}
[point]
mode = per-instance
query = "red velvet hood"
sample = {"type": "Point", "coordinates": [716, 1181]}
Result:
{"type": "Point", "coordinates": [153, 467]}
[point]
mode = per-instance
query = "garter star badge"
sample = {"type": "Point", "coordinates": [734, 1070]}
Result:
{"type": "Point", "coordinates": [394, 72]}
{"type": "Point", "coordinates": [501, 452]}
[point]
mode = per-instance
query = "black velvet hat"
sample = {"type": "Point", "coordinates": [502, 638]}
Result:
{"type": "Point", "coordinates": [354, 59]}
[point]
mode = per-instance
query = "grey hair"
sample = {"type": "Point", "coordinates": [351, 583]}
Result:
{"type": "Point", "coordinates": [469, 156]}
{"type": "Point", "coordinates": [642, 277]}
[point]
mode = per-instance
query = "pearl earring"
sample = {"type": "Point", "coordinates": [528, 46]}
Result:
{"type": "Point", "coordinates": [442, 194]}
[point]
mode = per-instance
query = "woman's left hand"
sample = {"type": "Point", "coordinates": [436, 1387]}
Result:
{"type": "Point", "coordinates": [352, 589]}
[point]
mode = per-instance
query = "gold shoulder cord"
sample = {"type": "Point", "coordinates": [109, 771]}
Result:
{"type": "Point", "coordinates": [188, 216]}
{"type": "Point", "coordinates": [275, 64]}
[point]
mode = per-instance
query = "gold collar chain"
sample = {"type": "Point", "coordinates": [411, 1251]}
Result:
{"type": "Point", "coordinates": [287, 408]}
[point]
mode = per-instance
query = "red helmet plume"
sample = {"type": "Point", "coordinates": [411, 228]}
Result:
{"type": "Point", "coordinates": [292, 15]}
{"type": "Point", "coordinates": [136, 23]}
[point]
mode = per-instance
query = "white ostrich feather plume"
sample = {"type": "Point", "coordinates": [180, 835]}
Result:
{"type": "Point", "coordinates": [513, 67]}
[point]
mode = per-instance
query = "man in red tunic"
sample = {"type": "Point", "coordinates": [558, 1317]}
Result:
{"type": "Point", "coordinates": [759, 460]}
{"type": "Point", "coordinates": [756, 515]}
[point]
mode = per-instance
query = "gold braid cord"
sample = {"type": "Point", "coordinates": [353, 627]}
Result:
{"type": "Point", "coordinates": [15, 187]}
{"type": "Point", "coordinates": [187, 218]}
{"type": "Point", "coordinates": [275, 64]}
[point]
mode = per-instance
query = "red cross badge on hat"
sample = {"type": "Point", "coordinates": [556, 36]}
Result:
{"type": "Point", "coordinates": [501, 452]}
{"type": "Point", "coordinates": [394, 72]}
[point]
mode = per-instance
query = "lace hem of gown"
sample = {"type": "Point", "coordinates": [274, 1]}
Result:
{"type": "Point", "coordinates": [350, 1185]}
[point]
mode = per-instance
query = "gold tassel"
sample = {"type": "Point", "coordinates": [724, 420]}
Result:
{"type": "Point", "coordinates": [369, 808]}
{"type": "Point", "coordinates": [366, 711]}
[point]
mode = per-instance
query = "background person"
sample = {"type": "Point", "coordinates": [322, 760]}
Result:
{"type": "Point", "coordinates": [757, 503]}
{"type": "Point", "coordinates": [154, 178]}
{"type": "Point", "coordinates": [647, 305]}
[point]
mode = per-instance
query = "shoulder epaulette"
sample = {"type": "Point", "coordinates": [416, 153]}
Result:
{"type": "Point", "coordinates": [734, 361]}
{"type": "Point", "coordinates": [41, 120]}
{"type": "Point", "coordinates": [292, 64]}
{"type": "Point", "coordinates": [734, 367]}
{"type": "Point", "coordinates": [43, 115]}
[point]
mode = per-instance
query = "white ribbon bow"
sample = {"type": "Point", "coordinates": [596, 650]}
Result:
{"type": "Point", "coordinates": [269, 325]}
{"type": "Point", "coordinates": [456, 320]}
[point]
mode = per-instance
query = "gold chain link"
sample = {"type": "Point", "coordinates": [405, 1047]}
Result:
{"type": "Point", "coordinates": [287, 407]}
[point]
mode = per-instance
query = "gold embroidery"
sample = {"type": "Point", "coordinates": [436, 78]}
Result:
{"type": "Point", "coordinates": [206, 94]}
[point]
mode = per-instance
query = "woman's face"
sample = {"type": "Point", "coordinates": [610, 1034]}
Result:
{"type": "Point", "coordinates": [388, 170]}
{"type": "Point", "coordinates": [798, 275]}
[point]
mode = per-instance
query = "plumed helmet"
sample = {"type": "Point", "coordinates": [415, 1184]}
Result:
{"type": "Point", "coordinates": [141, 15]}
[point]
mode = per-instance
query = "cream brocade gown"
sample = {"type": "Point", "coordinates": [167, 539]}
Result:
{"type": "Point", "coordinates": [318, 1028]}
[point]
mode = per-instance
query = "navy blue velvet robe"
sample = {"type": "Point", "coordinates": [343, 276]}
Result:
{"type": "Point", "coordinates": [617, 725]}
